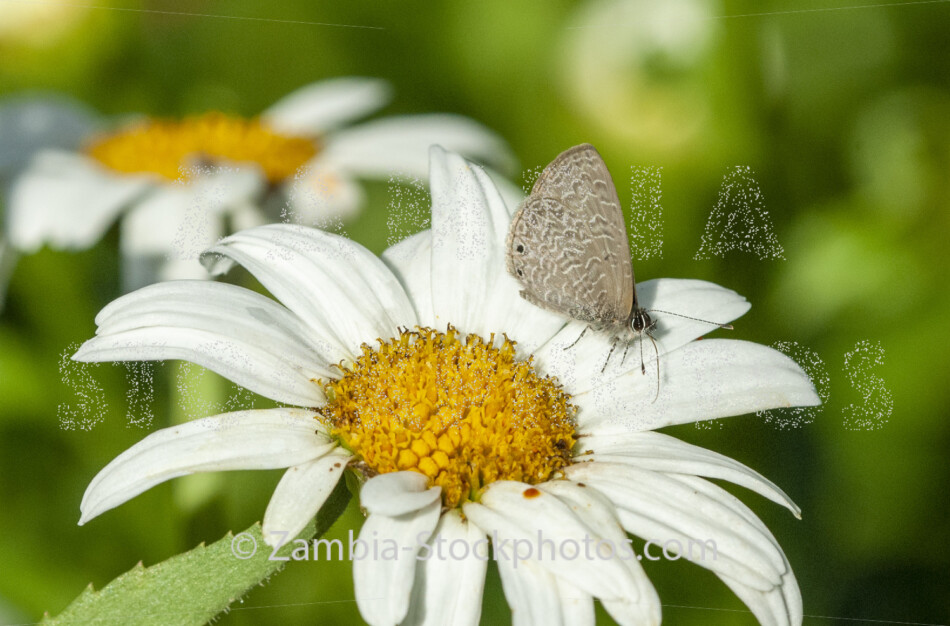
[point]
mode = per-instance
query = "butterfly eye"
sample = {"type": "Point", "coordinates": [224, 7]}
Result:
{"type": "Point", "coordinates": [520, 248]}
{"type": "Point", "coordinates": [520, 273]}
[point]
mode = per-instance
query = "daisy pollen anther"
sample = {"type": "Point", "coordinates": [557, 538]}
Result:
{"type": "Point", "coordinates": [452, 407]}
{"type": "Point", "coordinates": [165, 147]}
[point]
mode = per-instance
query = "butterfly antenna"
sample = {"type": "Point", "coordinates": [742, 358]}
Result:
{"type": "Point", "coordinates": [583, 332]}
{"type": "Point", "coordinates": [625, 348]}
{"type": "Point", "coordinates": [695, 319]}
{"type": "Point", "coordinates": [655, 349]}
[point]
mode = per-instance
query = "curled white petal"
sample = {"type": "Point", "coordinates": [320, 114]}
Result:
{"type": "Point", "coordinates": [663, 508]}
{"type": "Point", "coordinates": [779, 606]}
{"type": "Point", "coordinates": [662, 453]}
{"type": "Point", "coordinates": [397, 493]}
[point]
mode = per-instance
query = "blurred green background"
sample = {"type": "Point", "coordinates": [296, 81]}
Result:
{"type": "Point", "coordinates": [842, 112]}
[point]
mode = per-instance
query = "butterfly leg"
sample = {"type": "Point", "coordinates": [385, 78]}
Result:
{"type": "Point", "coordinates": [626, 347]}
{"type": "Point", "coordinates": [607, 360]}
{"type": "Point", "coordinates": [583, 332]}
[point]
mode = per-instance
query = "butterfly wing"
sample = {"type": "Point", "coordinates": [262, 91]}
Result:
{"type": "Point", "coordinates": [568, 242]}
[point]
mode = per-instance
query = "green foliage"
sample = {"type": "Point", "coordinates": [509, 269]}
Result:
{"type": "Point", "coordinates": [194, 587]}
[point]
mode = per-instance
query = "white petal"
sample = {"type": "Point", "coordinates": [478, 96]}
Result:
{"type": "Point", "coordinates": [451, 576]}
{"type": "Point", "coordinates": [397, 493]}
{"type": "Point", "coordinates": [410, 260]}
{"type": "Point", "coordinates": [709, 303]}
{"type": "Point", "coordinates": [159, 232]}
{"type": "Point", "coordinates": [264, 439]}
{"type": "Point", "coordinates": [577, 607]}
{"type": "Point", "coordinates": [694, 298]}
{"type": "Point", "coordinates": [702, 380]}
{"type": "Point", "coordinates": [248, 216]}
{"type": "Point", "coordinates": [338, 287]}
{"type": "Point", "coordinates": [321, 195]}
{"type": "Point", "coordinates": [512, 194]}
{"type": "Point", "coordinates": [300, 494]}
{"type": "Point", "coordinates": [174, 220]}
{"type": "Point", "coordinates": [383, 581]}
{"type": "Point", "coordinates": [176, 225]}
{"type": "Point", "coordinates": [168, 269]}
{"type": "Point", "coordinates": [320, 106]}
{"type": "Point", "coordinates": [547, 529]}
{"type": "Point", "coordinates": [782, 605]}
{"type": "Point", "coordinates": [661, 508]}
{"type": "Point", "coordinates": [400, 145]}
{"type": "Point", "coordinates": [244, 336]}
{"type": "Point", "coordinates": [639, 602]}
{"type": "Point", "coordinates": [662, 453]}
{"type": "Point", "coordinates": [533, 593]}
{"type": "Point", "coordinates": [68, 201]}
{"type": "Point", "coordinates": [471, 287]}
{"type": "Point", "coordinates": [625, 612]}
{"type": "Point", "coordinates": [32, 123]}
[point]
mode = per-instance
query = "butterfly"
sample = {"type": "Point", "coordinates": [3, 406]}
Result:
{"type": "Point", "coordinates": [568, 248]}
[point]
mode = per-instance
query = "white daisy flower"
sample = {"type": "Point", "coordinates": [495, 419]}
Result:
{"type": "Point", "coordinates": [181, 183]}
{"type": "Point", "coordinates": [460, 433]}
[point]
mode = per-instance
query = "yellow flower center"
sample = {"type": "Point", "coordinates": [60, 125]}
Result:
{"type": "Point", "coordinates": [169, 148]}
{"type": "Point", "coordinates": [458, 410]}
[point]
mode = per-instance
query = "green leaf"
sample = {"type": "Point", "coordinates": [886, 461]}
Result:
{"type": "Point", "coordinates": [191, 588]}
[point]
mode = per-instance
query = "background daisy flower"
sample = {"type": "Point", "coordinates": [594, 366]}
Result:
{"type": "Point", "coordinates": [459, 432]}
{"type": "Point", "coordinates": [179, 185]}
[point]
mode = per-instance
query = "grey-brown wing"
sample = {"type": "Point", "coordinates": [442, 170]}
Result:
{"type": "Point", "coordinates": [568, 243]}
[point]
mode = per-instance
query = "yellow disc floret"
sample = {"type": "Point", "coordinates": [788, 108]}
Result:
{"type": "Point", "coordinates": [454, 408]}
{"type": "Point", "coordinates": [170, 148]}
